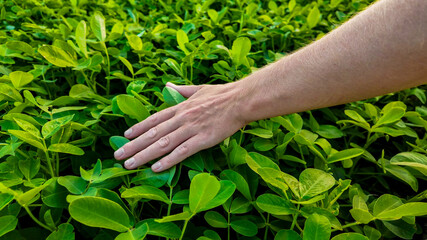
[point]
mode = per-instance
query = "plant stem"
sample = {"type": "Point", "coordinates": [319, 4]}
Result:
{"type": "Point", "coordinates": [183, 229]}
{"type": "Point", "coordinates": [228, 225]}
{"type": "Point", "coordinates": [36, 220]}
{"type": "Point", "coordinates": [49, 163]}
{"type": "Point", "coordinates": [170, 200]}
{"type": "Point", "coordinates": [266, 226]}
{"type": "Point", "coordinates": [294, 221]}
{"type": "Point", "coordinates": [347, 225]}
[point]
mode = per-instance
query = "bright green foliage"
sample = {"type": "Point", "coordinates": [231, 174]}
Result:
{"type": "Point", "coordinates": [74, 75]}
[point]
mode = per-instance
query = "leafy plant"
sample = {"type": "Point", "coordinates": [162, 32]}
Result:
{"type": "Point", "coordinates": [75, 74]}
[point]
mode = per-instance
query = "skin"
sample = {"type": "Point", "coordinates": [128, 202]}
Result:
{"type": "Point", "coordinates": [381, 50]}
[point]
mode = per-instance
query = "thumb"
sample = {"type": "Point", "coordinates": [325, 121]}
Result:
{"type": "Point", "coordinates": [186, 91]}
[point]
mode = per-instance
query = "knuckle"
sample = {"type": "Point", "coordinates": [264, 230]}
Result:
{"type": "Point", "coordinates": [152, 132]}
{"type": "Point", "coordinates": [164, 141]}
{"type": "Point", "coordinates": [182, 150]}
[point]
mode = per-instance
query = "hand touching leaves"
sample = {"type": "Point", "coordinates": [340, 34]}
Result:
{"type": "Point", "coordinates": [208, 116]}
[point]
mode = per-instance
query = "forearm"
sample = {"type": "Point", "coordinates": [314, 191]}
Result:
{"type": "Point", "coordinates": [381, 50]}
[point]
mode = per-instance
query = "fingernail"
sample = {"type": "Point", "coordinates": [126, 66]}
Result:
{"type": "Point", "coordinates": [129, 163]}
{"type": "Point", "coordinates": [128, 132]}
{"type": "Point", "coordinates": [119, 153]}
{"type": "Point", "coordinates": [170, 84]}
{"type": "Point", "coordinates": [157, 166]}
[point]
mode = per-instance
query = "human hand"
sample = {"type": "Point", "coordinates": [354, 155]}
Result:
{"type": "Point", "coordinates": [209, 115]}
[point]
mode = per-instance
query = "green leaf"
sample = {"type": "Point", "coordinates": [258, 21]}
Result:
{"type": "Point", "coordinates": [371, 233]}
{"type": "Point", "coordinates": [345, 154]}
{"type": "Point", "coordinates": [360, 211]}
{"type": "Point", "coordinates": [172, 97]}
{"type": "Point", "coordinates": [28, 138]}
{"type": "Point", "coordinates": [20, 46]}
{"type": "Point", "coordinates": [215, 219]}
{"type": "Point", "coordinates": [401, 228]}
{"type": "Point", "coordinates": [135, 234]}
{"type": "Point", "coordinates": [414, 160]}
{"type": "Point", "coordinates": [135, 42]}
{"type": "Point", "coordinates": [66, 148]}
{"type": "Point", "coordinates": [408, 209]}
{"type": "Point", "coordinates": [145, 192]}
{"type": "Point", "coordinates": [391, 115]}
{"type": "Point", "coordinates": [313, 17]}
{"type": "Point", "coordinates": [167, 230]}
{"type": "Point", "coordinates": [317, 227]}
{"type": "Point", "coordinates": [355, 116]}
{"type": "Point", "coordinates": [226, 191]}
{"type": "Point", "coordinates": [402, 174]}
{"type": "Point", "coordinates": [117, 142]}
{"type": "Point", "coordinates": [175, 66]}
{"type": "Point", "coordinates": [203, 189]}
{"type": "Point", "coordinates": [260, 132]}
{"type": "Point", "coordinates": [10, 92]}
{"type": "Point", "coordinates": [74, 184]}
{"type": "Point", "coordinates": [127, 64]}
{"type": "Point", "coordinates": [240, 49]}
{"type": "Point", "coordinates": [240, 182]}
{"type": "Point", "coordinates": [65, 232]}
{"type": "Point", "coordinates": [99, 212]}
{"type": "Point", "coordinates": [132, 107]}
{"type": "Point", "coordinates": [313, 182]}
{"type": "Point", "coordinates": [287, 234]}
{"type": "Point", "coordinates": [350, 236]}
{"type": "Point", "coordinates": [7, 224]}
{"type": "Point", "coordinates": [5, 199]}
{"type": "Point", "coordinates": [307, 211]}
{"type": "Point", "coordinates": [51, 127]}
{"type": "Point", "coordinates": [182, 39]}
{"type": "Point", "coordinates": [81, 37]}
{"type": "Point", "coordinates": [29, 196]}
{"type": "Point", "coordinates": [186, 215]}
{"type": "Point", "coordinates": [20, 79]}
{"type": "Point", "coordinates": [148, 177]}
{"type": "Point", "coordinates": [97, 23]}
{"type": "Point", "coordinates": [55, 195]}
{"type": "Point", "coordinates": [256, 160]}
{"type": "Point", "coordinates": [275, 205]}
{"type": "Point", "coordinates": [385, 203]}
{"type": "Point", "coordinates": [244, 227]}
{"type": "Point", "coordinates": [329, 131]}
{"type": "Point", "coordinates": [28, 127]}
{"type": "Point", "coordinates": [29, 167]}
{"type": "Point", "coordinates": [57, 56]}
{"type": "Point", "coordinates": [273, 177]}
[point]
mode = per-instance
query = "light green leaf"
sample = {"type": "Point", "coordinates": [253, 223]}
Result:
{"type": "Point", "coordinates": [29, 196]}
{"type": "Point", "coordinates": [313, 182]}
{"type": "Point", "coordinates": [345, 154]}
{"type": "Point", "coordinates": [55, 125]}
{"type": "Point", "coordinates": [371, 233]}
{"type": "Point", "coordinates": [172, 97]}
{"type": "Point", "coordinates": [28, 138]}
{"type": "Point", "coordinates": [66, 148]}
{"type": "Point", "coordinates": [317, 227]}
{"type": "Point", "coordinates": [385, 203]}
{"type": "Point", "coordinates": [8, 91]}
{"type": "Point", "coordinates": [28, 127]}
{"type": "Point", "coordinates": [256, 160]}
{"type": "Point", "coordinates": [391, 115]}
{"type": "Point", "coordinates": [175, 66]}
{"type": "Point", "coordinates": [182, 39]}
{"type": "Point", "coordinates": [5, 199]}
{"type": "Point", "coordinates": [203, 189]}
{"type": "Point", "coordinates": [135, 42]}
{"type": "Point", "coordinates": [99, 212]}
{"type": "Point", "coordinates": [81, 37]}
{"type": "Point", "coordinates": [414, 160]}
{"type": "Point", "coordinates": [20, 79]}
{"type": "Point", "coordinates": [145, 192]}
{"type": "Point", "coordinates": [313, 17]}
{"type": "Point", "coordinates": [240, 49]}
{"type": "Point", "coordinates": [260, 132]}
{"type": "Point", "coordinates": [350, 236]}
{"type": "Point", "coordinates": [329, 131]}
{"type": "Point", "coordinates": [275, 205]}
{"type": "Point", "coordinates": [57, 56]}
{"type": "Point", "coordinates": [226, 191]}
{"type": "Point", "coordinates": [167, 230]}
{"type": "Point", "coordinates": [408, 209]}
{"type": "Point", "coordinates": [127, 64]}
{"type": "Point", "coordinates": [402, 174]}
{"type": "Point", "coordinates": [132, 107]}
{"type": "Point", "coordinates": [97, 23]}
{"type": "Point", "coordinates": [186, 215]}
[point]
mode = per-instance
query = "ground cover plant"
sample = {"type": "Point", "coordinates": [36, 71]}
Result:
{"type": "Point", "coordinates": [75, 74]}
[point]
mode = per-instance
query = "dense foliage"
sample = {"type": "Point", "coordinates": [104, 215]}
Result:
{"type": "Point", "coordinates": [75, 74]}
